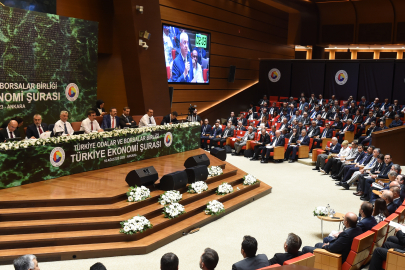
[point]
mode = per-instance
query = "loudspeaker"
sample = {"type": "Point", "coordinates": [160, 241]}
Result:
{"type": "Point", "coordinates": [173, 181]}
{"type": "Point", "coordinates": [231, 75]}
{"type": "Point", "coordinates": [142, 177]}
{"type": "Point", "coordinates": [219, 153]}
{"type": "Point", "coordinates": [197, 173]}
{"type": "Point", "coordinates": [197, 160]}
{"type": "Point", "coordinates": [171, 90]}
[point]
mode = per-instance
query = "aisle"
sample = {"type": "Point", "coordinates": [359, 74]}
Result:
{"type": "Point", "coordinates": [297, 190]}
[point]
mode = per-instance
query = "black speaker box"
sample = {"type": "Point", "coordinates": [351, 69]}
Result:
{"type": "Point", "coordinates": [197, 160]}
{"type": "Point", "coordinates": [218, 153]}
{"type": "Point", "coordinates": [173, 181]}
{"type": "Point", "coordinates": [231, 75]}
{"type": "Point", "coordinates": [197, 173]}
{"type": "Point", "coordinates": [142, 177]}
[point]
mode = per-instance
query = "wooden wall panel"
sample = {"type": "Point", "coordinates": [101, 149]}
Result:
{"type": "Point", "coordinates": [241, 33]}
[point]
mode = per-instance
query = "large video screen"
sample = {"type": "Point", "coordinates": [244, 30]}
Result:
{"type": "Point", "coordinates": [186, 54]}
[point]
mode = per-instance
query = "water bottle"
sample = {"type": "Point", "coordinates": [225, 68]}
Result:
{"type": "Point", "coordinates": [327, 209]}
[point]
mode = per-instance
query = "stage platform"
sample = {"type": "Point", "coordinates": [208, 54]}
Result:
{"type": "Point", "coordinates": [78, 216]}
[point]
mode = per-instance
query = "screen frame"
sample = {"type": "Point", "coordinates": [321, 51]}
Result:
{"type": "Point", "coordinates": [209, 39]}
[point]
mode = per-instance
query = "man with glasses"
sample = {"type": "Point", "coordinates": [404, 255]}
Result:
{"type": "Point", "coordinates": [10, 132]}
{"type": "Point", "coordinates": [197, 70]}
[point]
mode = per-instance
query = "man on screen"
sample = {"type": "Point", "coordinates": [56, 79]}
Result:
{"type": "Point", "coordinates": [197, 70]}
{"type": "Point", "coordinates": [182, 67]}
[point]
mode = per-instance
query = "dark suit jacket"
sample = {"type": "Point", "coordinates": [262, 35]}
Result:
{"type": "Point", "coordinates": [127, 119]}
{"type": "Point", "coordinates": [384, 170]}
{"type": "Point", "coordinates": [207, 130]}
{"type": "Point", "coordinates": [242, 128]}
{"type": "Point", "coordinates": [336, 150]}
{"type": "Point", "coordinates": [264, 139]}
{"type": "Point", "coordinates": [4, 135]}
{"type": "Point", "coordinates": [358, 120]}
{"type": "Point", "coordinates": [271, 110]}
{"type": "Point", "coordinates": [33, 131]}
{"type": "Point", "coordinates": [391, 115]}
{"type": "Point", "coordinates": [369, 120]}
{"type": "Point", "coordinates": [280, 141]}
{"type": "Point", "coordinates": [365, 103]}
{"type": "Point", "coordinates": [166, 120]}
{"type": "Point", "coordinates": [244, 121]}
{"type": "Point", "coordinates": [280, 258]}
{"type": "Point", "coordinates": [178, 69]}
{"type": "Point", "coordinates": [229, 134]}
{"type": "Point", "coordinates": [107, 121]}
{"type": "Point", "coordinates": [253, 263]}
{"type": "Point", "coordinates": [326, 114]}
{"type": "Point", "coordinates": [305, 140]}
{"type": "Point", "coordinates": [343, 243]}
{"type": "Point", "coordinates": [349, 128]}
{"type": "Point", "coordinates": [254, 116]}
{"type": "Point", "coordinates": [319, 123]}
{"type": "Point", "coordinates": [395, 123]}
{"type": "Point", "coordinates": [301, 106]}
{"type": "Point", "coordinates": [397, 202]}
{"type": "Point", "coordinates": [391, 208]}
{"type": "Point", "coordinates": [234, 120]}
{"type": "Point", "coordinates": [338, 125]}
{"type": "Point", "coordinates": [97, 112]}
{"type": "Point", "coordinates": [315, 132]}
{"type": "Point", "coordinates": [367, 223]}
{"type": "Point", "coordinates": [329, 133]}
{"type": "Point", "coordinates": [215, 132]}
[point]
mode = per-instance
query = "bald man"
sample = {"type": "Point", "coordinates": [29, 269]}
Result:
{"type": "Point", "coordinates": [10, 132]}
{"type": "Point", "coordinates": [182, 70]}
{"type": "Point", "coordinates": [388, 197]}
{"type": "Point", "coordinates": [343, 242]}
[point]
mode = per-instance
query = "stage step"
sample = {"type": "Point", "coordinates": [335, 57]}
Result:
{"type": "Point", "coordinates": [58, 248]}
{"type": "Point", "coordinates": [119, 208]}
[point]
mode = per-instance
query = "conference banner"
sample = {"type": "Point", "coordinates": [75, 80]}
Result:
{"type": "Point", "coordinates": [275, 77]}
{"type": "Point", "coordinates": [48, 64]}
{"type": "Point", "coordinates": [41, 162]}
{"type": "Point", "coordinates": [307, 77]}
{"type": "Point", "coordinates": [341, 79]}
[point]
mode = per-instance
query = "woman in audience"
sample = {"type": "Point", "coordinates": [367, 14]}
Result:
{"type": "Point", "coordinates": [380, 211]}
{"type": "Point", "coordinates": [264, 121]}
{"type": "Point", "coordinates": [99, 109]}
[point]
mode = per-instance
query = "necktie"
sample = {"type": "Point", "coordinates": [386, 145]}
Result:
{"type": "Point", "coordinates": [66, 132]}
{"type": "Point", "coordinates": [372, 163]}
{"type": "Point", "coordinates": [150, 120]}
{"type": "Point", "coordinates": [113, 123]}
{"type": "Point", "coordinates": [11, 135]}
{"type": "Point", "coordinates": [275, 141]}
{"type": "Point", "coordinates": [204, 129]}
{"type": "Point", "coordinates": [324, 132]}
{"type": "Point", "coordinates": [91, 126]}
{"type": "Point", "coordinates": [40, 130]}
{"type": "Point", "coordinates": [226, 133]}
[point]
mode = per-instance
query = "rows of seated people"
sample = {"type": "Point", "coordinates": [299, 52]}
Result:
{"type": "Point", "coordinates": [284, 122]}
{"type": "Point", "coordinates": [367, 238]}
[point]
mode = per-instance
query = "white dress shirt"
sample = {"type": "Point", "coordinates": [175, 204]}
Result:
{"type": "Point", "coordinates": [344, 152]}
{"type": "Point", "coordinates": [86, 126]}
{"type": "Point", "coordinates": [198, 74]}
{"type": "Point", "coordinates": [60, 127]}
{"type": "Point", "coordinates": [8, 133]}
{"type": "Point", "coordinates": [147, 121]}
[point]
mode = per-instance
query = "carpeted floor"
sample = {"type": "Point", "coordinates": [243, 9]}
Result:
{"type": "Point", "coordinates": [297, 190]}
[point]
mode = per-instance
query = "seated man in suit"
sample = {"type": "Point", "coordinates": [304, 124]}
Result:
{"type": "Point", "coordinates": [326, 133]}
{"type": "Point", "coordinates": [365, 174]}
{"type": "Point", "coordinates": [62, 126]}
{"type": "Point", "coordinates": [273, 108]}
{"type": "Point", "coordinates": [182, 70]}
{"type": "Point", "coordinates": [396, 190]}
{"type": "Point", "coordinates": [326, 113]}
{"type": "Point", "coordinates": [148, 121]}
{"type": "Point", "coordinates": [334, 148]}
{"type": "Point", "coordinates": [306, 121]}
{"type": "Point", "coordinates": [90, 124]}
{"type": "Point", "coordinates": [240, 142]}
{"type": "Point", "coordinates": [284, 124]}
{"type": "Point", "coordinates": [360, 129]}
{"type": "Point", "coordinates": [303, 139]}
{"type": "Point", "coordinates": [302, 104]}
{"type": "Point", "coordinates": [215, 133]}
{"type": "Point", "coordinates": [125, 119]}
{"type": "Point", "coordinates": [35, 130]}
{"type": "Point", "coordinates": [291, 101]}
{"type": "Point", "coordinates": [242, 119]}
{"type": "Point", "coordinates": [261, 144]}
{"type": "Point", "coordinates": [209, 259]}
{"type": "Point", "coordinates": [396, 122]}
{"type": "Point", "coordinates": [314, 113]}
{"type": "Point", "coordinates": [348, 128]}
{"type": "Point", "coordinates": [313, 130]}
{"type": "Point", "coordinates": [291, 110]}
{"type": "Point", "coordinates": [251, 115]}
{"type": "Point", "coordinates": [228, 132]}
{"type": "Point", "coordinates": [10, 132]}
{"type": "Point", "coordinates": [291, 246]}
{"type": "Point", "coordinates": [278, 140]}
{"type": "Point", "coordinates": [342, 244]}
{"type": "Point", "coordinates": [358, 118]}
{"type": "Point", "coordinates": [263, 100]}
{"type": "Point", "coordinates": [251, 260]}
{"type": "Point", "coordinates": [385, 105]}
{"type": "Point", "coordinates": [170, 119]}
{"type": "Point", "coordinates": [367, 138]}
{"type": "Point", "coordinates": [390, 114]}
{"type": "Point", "coordinates": [233, 119]}
{"type": "Point", "coordinates": [318, 120]}
{"type": "Point", "coordinates": [388, 197]}
{"type": "Point", "coordinates": [296, 116]}
{"type": "Point", "coordinates": [111, 120]}
{"type": "Point", "coordinates": [366, 220]}
{"type": "Point", "coordinates": [205, 133]}
{"type": "Point", "coordinates": [240, 126]}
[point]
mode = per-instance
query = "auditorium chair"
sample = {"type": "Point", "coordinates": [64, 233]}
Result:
{"type": "Point", "coordinates": [137, 118]}
{"type": "Point", "coordinates": [158, 119]}
{"type": "Point", "coordinates": [303, 150]}
{"type": "Point", "coordinates": [205, 74]}
{"type": "Point", "coordinates": [380, 231]}
{"type": "Point", "coordinates": [282, 99]}
{"type": "Point", "coordinates": [386, 180]}
{"type": "Point", "coordinates": [273, 99]}
{"type": "Point", "coordinates": [360, 250]}
{"type": "Point", "coordinates": [307, 260]}
{"type": "Point", "coordinates": [388, 121]}
{"type": "Point", "coordinates": [395, 260]}
{"type": "Point", "coordinates": [173, 54]}
{"type": "Point", "coordinates": [401, 212]}
{"type": "Point", "coordinates": [316, 152]}
{"type": "Point", "coordinates": [269, 267]}
{"type": "Point", "coordinates": [326, 260]}
{"type": "Point", "coordinates": [168, 72]}
{"type": "Point", "coordinates": [99, 119]}
{"type": "Point", "coordinates": [76, 126]}
{"type": "Point", "coordinates": [238, 134]}
{"type": "Point", "coordinates": [391, 230]}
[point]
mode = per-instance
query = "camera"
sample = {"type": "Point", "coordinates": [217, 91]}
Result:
{"type": "Point", "coordinates": [145, 46]}
{"type": "Point", "coordinates": [140, 9]}
{"type": "Point", "coordinates": [191, 109]}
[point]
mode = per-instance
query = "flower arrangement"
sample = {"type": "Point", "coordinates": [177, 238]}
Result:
{"type": "Point", "coordinates": [91, 136]}
{"type": "Point", "coordinates": [171, 196]}
{"type": "Point", "coordinates": [249, 180]}
{"type": "Point", "coordinates": [173, 210]}
{"type": "Point", "coordinates": [137, 224]}
{"type": "Point", "coordinates": [137, 194]}
{"type": "Point", "coordinates": [197, 187]}
{"type": "Point", "coordinates": [224, 189]}
{"type": "Point", "coordinates": [214, 171]}
{"type": "Point", "coordinates": [321, 211]}
{"type": "Point", "coordinates": [214, 208]}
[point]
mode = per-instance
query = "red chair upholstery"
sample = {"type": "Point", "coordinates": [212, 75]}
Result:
{"type": "Point", "coordinates": [173, 54]}
{"type": "Point", "coordinates": [238, 134]}
{"type": "Point", "coordinates": [307, 260]}
{"type": "Point", "coordinates": [205, 74]}
{"type": "Point", "coordinates": [168, 72]}
{"type": "Point", "coordinates": [283, 98]}
{"type": "Point", "coordinates": [268, 267]}
{"type": "Point", "coordinates": [317, 152]}
{"type": "Point", "coordinates": [273, 98]}
{"type": "Point", "coordinates": [359, 252]}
